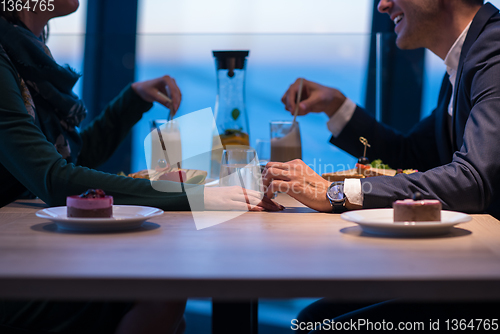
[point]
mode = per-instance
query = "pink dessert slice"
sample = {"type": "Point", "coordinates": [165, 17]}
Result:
{"type": "Point", "coordinates": [409, 210]}
{"type": "Point", "coordinates": [92, 204]}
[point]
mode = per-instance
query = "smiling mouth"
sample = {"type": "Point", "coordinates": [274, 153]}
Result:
{"type": "Point", "coordinates": [398, 18]}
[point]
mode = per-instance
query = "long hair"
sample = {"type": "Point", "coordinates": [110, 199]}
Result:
{"type": "Point", "coordinates": [13, 18]}
{"type": "Point", "coordinates": [10, 16]}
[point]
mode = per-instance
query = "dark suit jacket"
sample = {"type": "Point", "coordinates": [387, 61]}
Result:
{"type": "Point", "coordinates": [459, 157]}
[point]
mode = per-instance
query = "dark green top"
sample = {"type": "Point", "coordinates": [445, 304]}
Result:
{"type": "Point", "coordinates": [29, 161]}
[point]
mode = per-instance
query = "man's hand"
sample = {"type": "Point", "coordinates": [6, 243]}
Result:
{"type": "Point", "coordinates": [315, 98]}
{"type": "Point", "coordinates": [238, 198]}
{"type": "Point", "coordinates": [299, 181]}
{"type": "Point", "coordinates": [155, 91]}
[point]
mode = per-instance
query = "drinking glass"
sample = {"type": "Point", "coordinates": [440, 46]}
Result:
{"type": "Point", "coordinates": [263, 148]}
{"type": "Point", "coordinates": [171, 137]}
{"type": "Point", "coordinates": [285, 141]}
{"type": "Point", "coordinates": [240, 167]}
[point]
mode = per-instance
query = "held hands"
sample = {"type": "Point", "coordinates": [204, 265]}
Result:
{"type": "Point", "coordinates": [299, 181]}
{"type": "Point", "coordinates": [155, 91]}
{"type": "Point", "coordinates": [315, 98]}
{"type": "Point", "coordinates": [237, 198]}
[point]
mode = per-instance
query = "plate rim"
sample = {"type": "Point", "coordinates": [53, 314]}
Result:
{"type": "Point", "coordinates": [41, 214]}
{"type": "Point", "coordinates": [464, 218]}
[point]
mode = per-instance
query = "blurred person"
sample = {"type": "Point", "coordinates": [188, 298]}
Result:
{"type": "Point", "coordinates": [44, 152]}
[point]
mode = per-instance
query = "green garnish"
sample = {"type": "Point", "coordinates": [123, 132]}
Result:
{"type": "Point", "coordinates": [235, 113]}
{"type": "Point", "coordinates": [378, 164]}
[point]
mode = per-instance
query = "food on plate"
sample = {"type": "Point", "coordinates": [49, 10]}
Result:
{"type": "Point", "coordinates": [360, 172]}
{"type": "Point", "coordinates": [93, 203]}
{"type": "Point", "coordinates": [417, 210]}
{"type": "Point", "coordinates": [364, 160]}
{"type": "Point", "coordinates": [190, 176]}
{"type": "Point", "coordinates": [376, 168]}
{"type": "Point", "coordinates": [366, 169]}
{"type": "Point", "coordinates": [175, 176]}
{"type": "Point", "coordinates": [342, 175]}
{"type": "Point", "coordinates": [406, 171]}
{"type": "Point", "coordinates": [378, 164]}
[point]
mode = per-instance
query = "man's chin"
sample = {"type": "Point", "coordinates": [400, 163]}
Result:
{"type": "Point", "coordinates": [404, 44]}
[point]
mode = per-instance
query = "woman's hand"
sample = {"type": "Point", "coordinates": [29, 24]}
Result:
{"type": "Point", "coordinates": [238, 198]}
{"type": "Point", "coordinates": [299, 181]}
{"type": "Point", "coordinates": [155, 91]}
{"type": "Point", "coordinates": [315, 98]}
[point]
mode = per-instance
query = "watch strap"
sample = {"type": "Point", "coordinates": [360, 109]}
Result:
{"type": "Point", "coordinates": [338, 207]}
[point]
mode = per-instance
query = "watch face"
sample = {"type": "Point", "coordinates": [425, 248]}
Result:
{"type": "Point", "coordinates": [336, 192]}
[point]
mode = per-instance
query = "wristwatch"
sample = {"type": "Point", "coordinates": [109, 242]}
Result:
{"type": "Point", "coordinates": [336, 196]}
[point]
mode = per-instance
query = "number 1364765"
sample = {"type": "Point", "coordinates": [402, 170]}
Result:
{"type": "Point", "coordinates": [29, 5]}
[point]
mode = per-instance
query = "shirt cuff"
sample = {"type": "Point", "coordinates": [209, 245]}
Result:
{"type": "Point", "coordinates": [352, 190]}
{"type": "Point", "coordinates": [339, 120]}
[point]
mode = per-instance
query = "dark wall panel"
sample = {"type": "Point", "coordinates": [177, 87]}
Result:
{"type": "Point", "coordinates": [401, 80]}
{"type": "Point", "coordinates": [109, 63]}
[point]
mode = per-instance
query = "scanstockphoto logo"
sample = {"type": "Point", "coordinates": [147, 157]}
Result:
{"type": "Point", "coordinates": [174, 152]}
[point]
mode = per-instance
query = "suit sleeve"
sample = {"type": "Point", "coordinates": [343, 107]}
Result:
{"type": "Point", "coordinates": [470, 182]}
{"type": "Point", "coordinates": [466, 184]}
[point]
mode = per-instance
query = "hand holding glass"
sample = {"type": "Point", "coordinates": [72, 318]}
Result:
{"type": "Point", "coordinates": [240, 167]}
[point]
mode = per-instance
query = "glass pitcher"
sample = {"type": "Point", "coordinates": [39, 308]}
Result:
{"type": "Point", "coordinates": [230, 112]}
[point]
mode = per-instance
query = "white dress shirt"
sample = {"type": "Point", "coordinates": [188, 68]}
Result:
{"type": "Point", "coordinates": [336, 123]}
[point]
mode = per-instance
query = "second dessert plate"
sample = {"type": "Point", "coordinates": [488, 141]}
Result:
{"type": "Point", "coordinates": [381, 222]}
{"type": "Point", "coordinates": [125, 217]}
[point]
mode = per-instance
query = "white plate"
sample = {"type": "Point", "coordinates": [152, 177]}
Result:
{"type": "Point", "coordinates": [381, 221]}
{"type": "Point", "coordinates": [125, 217]}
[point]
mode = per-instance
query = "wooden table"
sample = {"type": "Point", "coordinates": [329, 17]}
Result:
{"type": "Point", "coordinates": [294, 253]}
